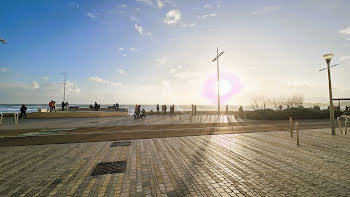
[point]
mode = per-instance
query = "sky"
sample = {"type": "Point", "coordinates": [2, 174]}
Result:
{"type": "Point", "coordinates": [161, 51]}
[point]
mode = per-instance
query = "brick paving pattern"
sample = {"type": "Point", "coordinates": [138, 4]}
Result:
{"type": "Point", "coordinates": [249, 164]}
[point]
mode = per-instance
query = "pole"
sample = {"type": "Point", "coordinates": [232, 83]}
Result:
{"type": "Point", "coordinates": [217, 55]}
{"type": "Point", "coordinates": [297, 131]}
{"type": "Point", "coordinates": [64, 87]}
{"type": "Point", "coordinates": [290, 126]}
{"type": "Point", "coordinates": [331, 110]}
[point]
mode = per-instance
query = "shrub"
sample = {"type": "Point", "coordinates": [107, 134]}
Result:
{"type": "Point", "coordinates": [296, 113]}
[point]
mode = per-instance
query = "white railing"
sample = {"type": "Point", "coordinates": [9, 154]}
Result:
{"type": "Point", "coordinates": [346, 118]}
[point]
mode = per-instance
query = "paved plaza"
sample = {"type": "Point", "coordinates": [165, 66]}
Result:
{"type": "Point", "coordinates": [247, 164]}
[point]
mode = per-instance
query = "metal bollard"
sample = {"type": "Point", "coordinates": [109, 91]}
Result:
{"type": "Point", "coordinates": [1, 115]}
{"type": "Point", "coordinates": [297, 131]}
{"type": "Point", "coordinates": [290, 126]}
{"type": "Point", "coordinates": [15, 116]}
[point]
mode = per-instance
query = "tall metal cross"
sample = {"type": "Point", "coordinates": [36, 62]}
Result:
{"type": "Point", "coordinates": [217, 61]}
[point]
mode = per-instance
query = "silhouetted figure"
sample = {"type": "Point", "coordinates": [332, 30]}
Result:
{"type": "Point", "coordinates": [67, 106]}
{"type": "Point", "coordinates": [280, 107]}
{"type": "Point", "coordinates": [165, 109]}
{"type": "Point", "coordinates": [139, 111]}
{"type": "Point", "coordinates": [23, 112]}
{"type": "Point", "coordinates": [54, 106]}
{"type": "Point", "coordinates": [62, 106]}
{"type": "Point", "coordinates": [346, 108]}
{"type": "Point", "coordinates": [226, 109]}
{"type": "Point", "coordinates": [117, 106]}
{"type": "Point", "coordinates": [192, 110]}
{"type": "Point", "coordinates": [96, 106]}
{"type": "Point", "coordinates": [195, 110]}
{"type": "Point", "coordinates": [143, 113]}
{"type": "Point", "coordinates": [157, 107]}
{"type": "Point", "coordinates": [172, 110]}
{"type": "Point", "coordinates": [50, 105]}
{"type": "Point", "coordinates": [135, 112]}
{"type": "Point", "coordinates": [240, 112]}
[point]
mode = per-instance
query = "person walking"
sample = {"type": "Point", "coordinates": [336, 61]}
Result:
{"type": "Point", "coordinates": [164, 109]}
{"type": "Point", "coordinates": [50, 105]}
{"type": "Point", "coordinates": [23, 112]}
{"type": "Point", "coordinates": [135, 111]}
{"type": "Point", "coordinates": [54, 106]}
{"type": "Point", "coordinates": [62, 105]}
{"type": "Point", "coordinates": [157, 107]}
{"type": "Point", "coordinates": [67, 106]}
{"type": "Point", "coordinates": [117, 106]}
{"type": "Point", "coordinates": [195, 110]}
{"type": "Point", "coordinates": [96, 106]}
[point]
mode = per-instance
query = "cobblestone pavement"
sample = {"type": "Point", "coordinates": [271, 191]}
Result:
{"type": "Point", "coordinates": [249, 164]}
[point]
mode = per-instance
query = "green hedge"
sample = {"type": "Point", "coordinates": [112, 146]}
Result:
{"type": "Point", "coordinates": [296, 113]}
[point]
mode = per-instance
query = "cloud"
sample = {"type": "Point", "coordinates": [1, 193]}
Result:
{"type": "Point", "coordinates": [175, 69]}
{"type": "Point", "coordinates": [189, 25]}
{"type": "Point", "coordinates": [162, 60]}
{"type": "Point", "coordinates": [105, 82]}
{"type": "Point", "coordinates": [344, 58]}
{"type": "Point", "coordinates": [205, 16]}
{"type": "Point", "coordinates": [123, 5]}
{"type": "Point", "coordinates": [298, 84]}
{"type": "Point", "coordinates": [90, 15]}
{"type": "Point", "coordinates": [346, 33]}
{"type": "Point", "coordinates": [139, 29]}
{"type": "Point", "coordinates": [133, 49]}
{"type": "Point", "coordinates": [173, 17]}
{"type": "Point", "coordinates": [187, 75]}
{"type": "Point", "coordinates": [35, 85]}
{"type": "Point", "coordinates": [206, 6]}
{"type": "Point", "coordinates": [148, 2]}
{"type": "Point", "coordinates": [265, 10]}
{"type": "Point", "coordinates": [121, 49]}
{"type": "Point", "coordinates": [160, 3]}
{"type": "Point", "coordinates": [122, 71]}
{"type": "Point", "coordinates": [3, 69]}
{"type": "Point", "coordinates": [73, 5]}
{"type": "Point", "coordinates": [133, 18]}
{"type": "Point", "coordinates": [72, 88]}
{"type": "Point", "coordinates": [44, 78]}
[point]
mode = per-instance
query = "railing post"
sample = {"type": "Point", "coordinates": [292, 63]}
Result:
{"type": "Point", "coordinates": [1, 115]}
{"type": "Point", "coordinates": [341, 131]}
{"type": "Point", "coordinates": [291, 126]}
{"type": "Point", "coordinates": [297, 131]}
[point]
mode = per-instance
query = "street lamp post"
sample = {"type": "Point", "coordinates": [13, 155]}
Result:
{"type": "Point", "coordinates": [328, 58]}
{"type": "Point", "coordinates": [217, 60]}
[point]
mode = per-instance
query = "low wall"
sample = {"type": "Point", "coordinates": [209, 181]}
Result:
{"type": "Point", "coordinates": [76, 114]}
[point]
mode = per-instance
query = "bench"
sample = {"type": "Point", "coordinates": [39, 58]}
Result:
{"type": "Point", "coordinates": [73, 108]}
{"type": "Point", "coordinates": [346, 118]}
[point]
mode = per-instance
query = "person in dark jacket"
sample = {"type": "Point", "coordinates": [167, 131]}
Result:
{"type": "Point", "coordinates": [23, 112]}
{"type": "Point", "coordinates": [62, 106]}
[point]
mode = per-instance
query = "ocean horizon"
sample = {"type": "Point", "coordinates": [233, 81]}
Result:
{"type": "Point", "coordinates": [15, 108]}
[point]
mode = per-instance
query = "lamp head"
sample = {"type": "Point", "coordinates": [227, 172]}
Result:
{"type": "Point", "coordinates": [328, 56]}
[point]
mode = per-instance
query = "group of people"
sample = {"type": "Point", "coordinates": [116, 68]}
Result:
{"type": "Point", "coordinates": [164, 109]}
{"type": "Point", "coordinates": [116, 106]}
{"type": "Point", "coordinates": [65, 106]}
{"type": "Point", "coordinates": [194, 109]}
{"type": "Point", "coordinates": [52, 106]}
{"type": "Point", "coordinates": [138, 113]}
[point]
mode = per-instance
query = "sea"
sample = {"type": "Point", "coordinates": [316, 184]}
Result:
{"type": "Point", "coordinates": [15, 108]}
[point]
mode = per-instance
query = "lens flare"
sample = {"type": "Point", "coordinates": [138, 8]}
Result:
{"type": "Point", "coordinates": [230, 85]}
